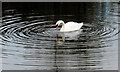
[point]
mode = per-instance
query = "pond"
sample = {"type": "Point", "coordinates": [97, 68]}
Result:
{"type": "Point", "coordinates": [30, 40]}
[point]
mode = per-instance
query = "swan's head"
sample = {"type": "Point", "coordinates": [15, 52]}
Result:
{"type": "Point", "coordinates": [59, 22]}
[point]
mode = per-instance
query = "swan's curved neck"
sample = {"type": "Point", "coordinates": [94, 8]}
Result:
{"type": "Point", "coordinates": [61, 22]}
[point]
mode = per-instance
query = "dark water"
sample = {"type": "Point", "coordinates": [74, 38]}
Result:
{"type": "Point", "coordinates": [30, 40]}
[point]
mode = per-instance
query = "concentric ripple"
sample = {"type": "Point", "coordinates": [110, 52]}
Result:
{"type": "Point", "coordinates": [39, 31]}
{"type": "Point", "coordinates": [34, 42]}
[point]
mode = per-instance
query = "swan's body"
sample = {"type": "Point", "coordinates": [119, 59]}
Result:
{"type": "Point", "coordinates": [69, 26]}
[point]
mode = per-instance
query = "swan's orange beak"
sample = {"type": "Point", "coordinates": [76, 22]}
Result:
{"type": "Point", "coordinates": [56, 26]}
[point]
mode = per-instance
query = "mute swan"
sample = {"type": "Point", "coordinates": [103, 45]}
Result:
{"type": "Point", "coordinates": [69, 26]}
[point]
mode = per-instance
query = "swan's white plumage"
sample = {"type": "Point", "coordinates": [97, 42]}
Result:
{"type": "Point", "coordinates": [71, 26]}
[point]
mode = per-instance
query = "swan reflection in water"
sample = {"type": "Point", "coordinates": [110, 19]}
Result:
{"type": "Point", "coordinates": [62, 36]}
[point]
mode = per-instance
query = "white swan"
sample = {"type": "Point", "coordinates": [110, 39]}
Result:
{"type": "Point", "coordinates": [69, 26]}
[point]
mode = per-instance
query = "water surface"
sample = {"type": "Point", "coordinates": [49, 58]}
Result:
{"type": "Point", "coordinates": [30, 40]}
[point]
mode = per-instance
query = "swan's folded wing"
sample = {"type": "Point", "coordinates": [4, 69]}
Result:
{"type": "Point", "coordinates": [71, 26]}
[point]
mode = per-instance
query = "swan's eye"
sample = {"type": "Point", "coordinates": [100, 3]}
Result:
{"type": "Point", "coordinates": [56, 25]}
